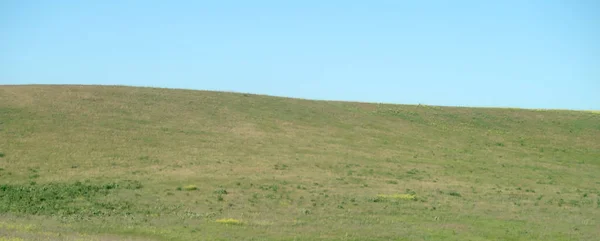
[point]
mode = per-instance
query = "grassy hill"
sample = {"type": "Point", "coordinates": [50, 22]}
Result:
{"type": "Point", "coordinates": [124, 163]}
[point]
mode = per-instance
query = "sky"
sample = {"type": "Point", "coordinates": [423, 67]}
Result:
{"type": "Point", "coordinates": [510, 53]}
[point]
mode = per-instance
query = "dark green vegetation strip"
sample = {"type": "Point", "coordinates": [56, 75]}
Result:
{"type": "Point", "coordinates": [63, 199]}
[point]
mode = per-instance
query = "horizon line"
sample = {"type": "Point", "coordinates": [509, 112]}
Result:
{"type": "Point", "coordinates": [304, 98]}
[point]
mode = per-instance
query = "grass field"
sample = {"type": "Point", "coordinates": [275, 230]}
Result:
{"type": "Point", "coordinates": [124, 163]}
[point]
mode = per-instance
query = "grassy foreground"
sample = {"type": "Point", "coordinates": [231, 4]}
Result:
{"type": "Point", "coordinates": [124, 163]}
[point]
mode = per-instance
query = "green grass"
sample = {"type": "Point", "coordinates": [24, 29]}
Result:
{"type": "Point", "coordinates": [124, 163]}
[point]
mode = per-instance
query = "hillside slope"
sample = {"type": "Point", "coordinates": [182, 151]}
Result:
{"type": "Point", "coordinates": [167, 164]}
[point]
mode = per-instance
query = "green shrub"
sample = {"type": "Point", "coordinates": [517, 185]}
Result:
{"type": "Point", "coordinates": [221, 191]}
{"type": "Point", "coordinates": [454, 193]}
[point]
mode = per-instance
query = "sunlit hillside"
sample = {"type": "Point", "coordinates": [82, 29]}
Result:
{"type": "Point", "coordinates": [127, 163]}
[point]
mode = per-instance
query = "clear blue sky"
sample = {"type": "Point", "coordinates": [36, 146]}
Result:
{"type": "Point", "coordinates": [509, 53]}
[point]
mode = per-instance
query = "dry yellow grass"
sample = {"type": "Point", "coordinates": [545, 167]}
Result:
{"type": "Point", "coordinates": [230, 221]}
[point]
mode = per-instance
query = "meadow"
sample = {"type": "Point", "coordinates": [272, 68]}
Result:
{"type": "Point", "coordinates": [132, 163]}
